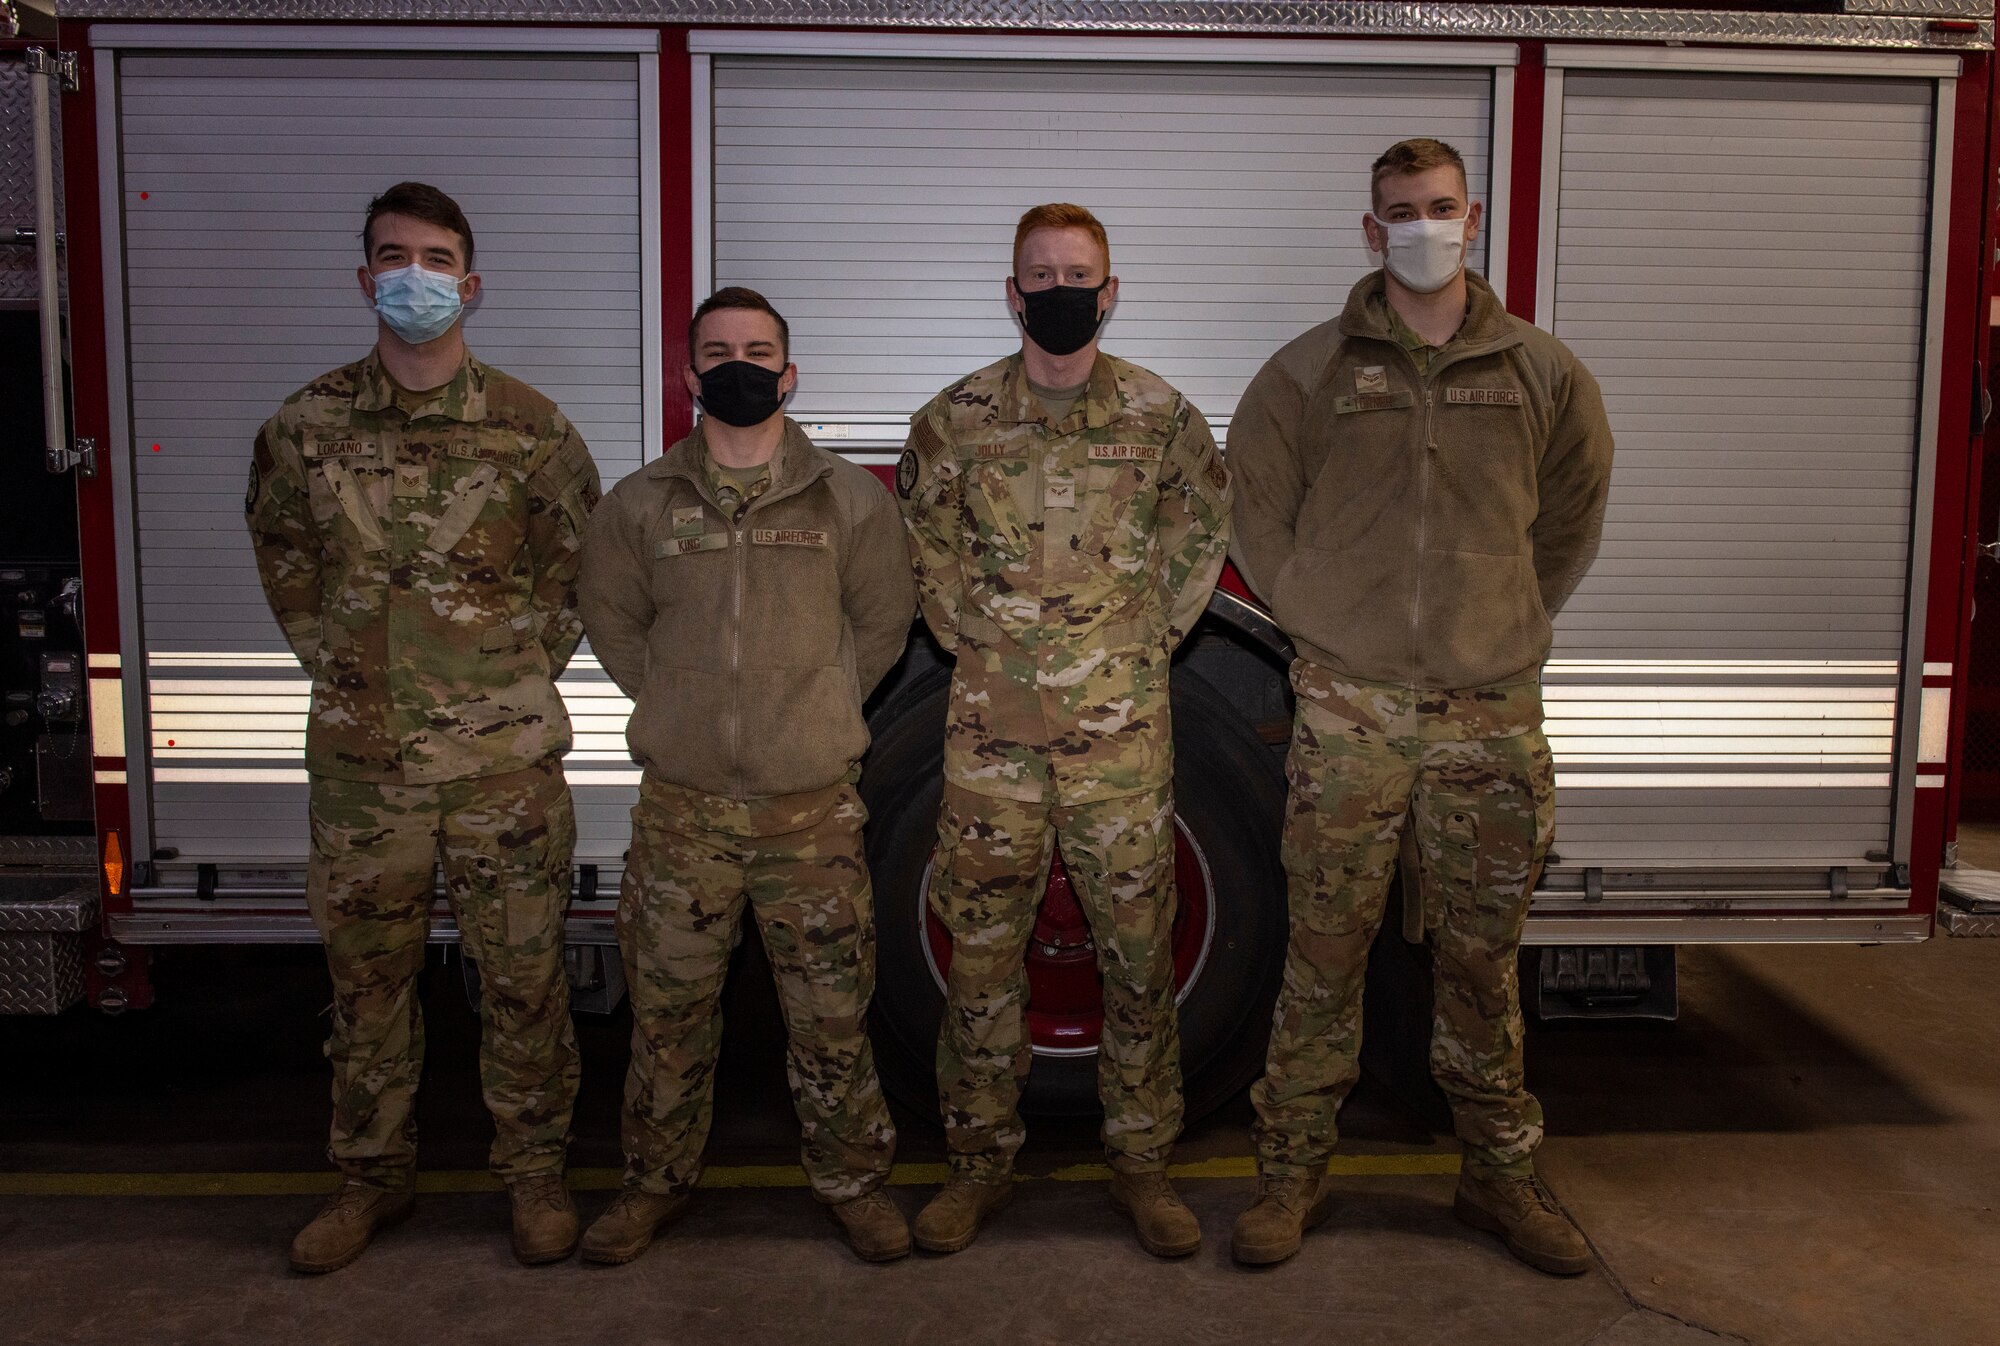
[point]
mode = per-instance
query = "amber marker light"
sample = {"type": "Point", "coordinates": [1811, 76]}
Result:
{"type": "Point", "coordinates": [114, 864]}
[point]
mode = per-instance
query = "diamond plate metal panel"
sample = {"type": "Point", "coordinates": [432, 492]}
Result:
{"type": "Point", "coordinates": [49, 852]}
{"type": "Point", "coordinates": [41, 905]}
{"type": "Point", "coordinates": [17, 177]}
{"type": "Point", "coordinates": [1927, 9]}
{"type": "Point", "coordinates": [1325, 18]}
{"type": "Point", "coordinates": [1968, 924]}
{"type": "Point", "coordinates": [40, 974]}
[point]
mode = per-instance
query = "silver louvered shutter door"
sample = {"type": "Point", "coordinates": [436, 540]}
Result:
{"type": "Point", "coordinates": [874, 202]}
{"type": "Point", "coordinates": [1741, 261]}
{"type": "Point", "coordinates": [245, 179]}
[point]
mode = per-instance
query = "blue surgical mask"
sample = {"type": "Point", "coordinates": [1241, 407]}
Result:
{"type": "Point", "coordinates": [418, 305]}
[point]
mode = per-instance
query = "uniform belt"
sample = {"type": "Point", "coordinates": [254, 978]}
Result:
{"type": "Point", "coordinates": [1133, 631]}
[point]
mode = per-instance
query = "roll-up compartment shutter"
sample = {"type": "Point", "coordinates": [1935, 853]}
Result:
{"type": "Point", "coordinates": [1742, 263]}
{"type": "Point", "coordinates": [245, 178]}
{"type": "Point", "coordinates": [874, 202]}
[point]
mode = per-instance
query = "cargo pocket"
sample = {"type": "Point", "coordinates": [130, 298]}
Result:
{"type": "Point", "coordinates": [1450, 859]}
{"type": "Point", "coordinates": [535, 910]}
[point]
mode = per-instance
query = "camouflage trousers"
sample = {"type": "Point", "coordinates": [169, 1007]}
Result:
{"type": "Point", "coordinates": [992, 871]}
{"type": "Point", "coordinates": [679, 911]}
{"type": "Point", "coordinates": [1471, 773]}
{"type": "Point", "coordinates": [505, 843]}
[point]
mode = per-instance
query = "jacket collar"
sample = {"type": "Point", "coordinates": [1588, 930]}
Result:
{"type": "Point", "coordinates": [1487, 324]}
{"type": "Point", "coordinates": [1017, 404]}
{"type": "Point", "coordinates": [797, 464]}
{"type": "Point", "coordinates": [462, 399]}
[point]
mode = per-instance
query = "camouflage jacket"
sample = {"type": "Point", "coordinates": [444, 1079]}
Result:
{"type": "Point", "coordinates": [423, 567]}
{"type": "Point", "coordinates": [1062, 563]}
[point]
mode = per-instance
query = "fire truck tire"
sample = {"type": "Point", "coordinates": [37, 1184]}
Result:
{"type": "Point", "coordinates": [1229, 798]}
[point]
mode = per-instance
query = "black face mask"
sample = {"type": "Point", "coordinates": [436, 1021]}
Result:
{"type": "Point", "coordinates": [1061, 319]}
{"type": "Point", "coordinates": [737, 392]}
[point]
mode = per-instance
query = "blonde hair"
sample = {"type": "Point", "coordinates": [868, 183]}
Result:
{"type": "Point", "coordinates": [1060, 215]}
{"type": "Point", "coordinates": [1414, 156]}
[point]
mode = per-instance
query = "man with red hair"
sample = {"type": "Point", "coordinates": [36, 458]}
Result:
{"type": "Point", "coordinates": [1068, 517]}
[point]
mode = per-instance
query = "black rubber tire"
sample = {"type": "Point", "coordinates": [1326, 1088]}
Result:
{"type": "Point", "coordinates": [1229, 793]}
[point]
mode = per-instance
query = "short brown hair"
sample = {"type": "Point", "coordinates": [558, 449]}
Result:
{"type": "Point", "coordinates": [417, 201]}
{"type": "Point", "coordinates": [740, 296]}
{"type": "Point", "coordinates": [1060, 215]}
{"type": "Point", "coordinates": [1415, 156]}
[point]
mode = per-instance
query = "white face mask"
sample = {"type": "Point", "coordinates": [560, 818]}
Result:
{"type": "Point", "coordinates": [1424, 254]}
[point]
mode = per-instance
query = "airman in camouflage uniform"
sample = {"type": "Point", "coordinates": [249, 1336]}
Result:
{"type": "Point", "coordinates": [748, 590]}
{"type": "Point", "coordinates": [418, 518]}
{"type": "Point", "coordinates": [1068, 517]}
{"type": "Point", "coordinates": [1422, 482]}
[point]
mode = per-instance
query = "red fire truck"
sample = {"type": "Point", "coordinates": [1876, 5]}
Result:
{"type": "Point", "coordinates": [1767, 231]}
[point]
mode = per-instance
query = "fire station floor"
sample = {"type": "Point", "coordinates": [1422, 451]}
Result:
{"type": "Point", "coordinates": [1810, 1155]}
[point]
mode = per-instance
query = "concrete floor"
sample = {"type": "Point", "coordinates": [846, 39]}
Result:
{"type": "Point", "coordinates": [1811, 1155]}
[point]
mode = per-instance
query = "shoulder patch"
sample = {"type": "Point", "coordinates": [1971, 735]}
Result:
{"type": "Point", "coordinates": [906, 473]}
{"type": "Point", "coordinates": [925, 438]}
{"type": "Point", "coordinates": [250, 495]}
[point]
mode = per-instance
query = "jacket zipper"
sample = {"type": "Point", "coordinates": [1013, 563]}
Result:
{"type": "Point", "coordinates": [738, 533]}
{"type": "Point", "coordinates": [736, 659]}
{"type": "Point", "coordinates": [1427, 379]}
{"type": "Point", "coordinates": [1423, 522]}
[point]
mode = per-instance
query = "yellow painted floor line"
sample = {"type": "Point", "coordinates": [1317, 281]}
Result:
{"type": "Point", "coordinates": [607, 1179]}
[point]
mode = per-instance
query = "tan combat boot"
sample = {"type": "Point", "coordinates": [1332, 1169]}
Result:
{"type": "Point", "coordinates": [875, 1229]}
{"type": "Point", "coordinates": [352, 1216]}
{"type": "Point", "coordinates": [1274, 1226]}
{"type": "Point", "coordinates": [1167, 1228]}
{"type": "Point", "coordinates": [627, 1228]}
{"type": "Point", "coordinates": [544, 1219]}
{"type": "Point", "coordinates": [1523, 1213]}
{"type": "Point", "coordinates": [952, 1219]}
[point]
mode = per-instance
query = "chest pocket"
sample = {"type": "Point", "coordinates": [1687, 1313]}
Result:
{"type": "Point", "coordinates": [483, 497]}
{"type": "Point", "coordinates": [1120, 500]}
{"type": "Point", "coordinates": [1002, 501]}
{"type": "Point", "coordinates": [348, 489]}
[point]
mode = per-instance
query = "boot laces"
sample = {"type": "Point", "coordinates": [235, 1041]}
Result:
{"type": "Point", "coordinates": [546, 1193]}
{"type": "Point", "coordinates": [1286, 1191]}
{"type": "Point", "coordinates": [349, 1198]}
{"type": "Point", "coordinates": [1530, 1195]}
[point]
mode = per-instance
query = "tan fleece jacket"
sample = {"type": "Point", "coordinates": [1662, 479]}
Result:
{"type": "Point", "coordinates": [1420, 528]}
{"type": "Point", "coordinates": [748, 648]}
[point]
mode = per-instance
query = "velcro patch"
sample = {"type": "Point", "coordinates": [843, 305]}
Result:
{"type": "Point", "coordinates": [1372, 402]}
{"type": "Point", "coordinates": [687, 522]}
{"type": "Point", "coordinates": [997, 451]}
{"type": "Point", "coordinates": [487, 452]}
{"type": "Point", "coordinates": [1371, 379]}
{"type": "Point", "coordinates": [682, 546]}
{"type": "Point", "coordinates": [1484, 397]}
{"type": "Point", "coordinates": [925, 439]}
{"type": "Point", "coordinates": [1218, 476]}
{"type": "Point", "coordinates": [316, 447]}
{"type": "Point", "coordinates": [1124, 453]}
{"type": "Point", "coordinates": [788, 537]}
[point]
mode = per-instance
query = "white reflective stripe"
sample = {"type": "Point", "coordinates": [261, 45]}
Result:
{"type": "Point", "coordinates": [1934, 724]}
{"type": "Point", "coordinates": [1930, 782]}
{"type": "Point", "coordinates": [105, 661]}
{"type": "Point", "coordinates": [1932, 670]}
{"type": "Point", "coordinates": [111, 778]}
{"type": "Point", "coordinates": [1722, 780]}
{"type": "Point", "coordinates": [107, 717]}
